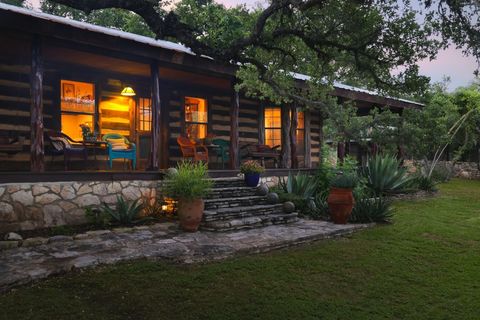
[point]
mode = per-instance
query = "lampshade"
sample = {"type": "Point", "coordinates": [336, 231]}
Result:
{"type": "Point", "coordinates": [128, 92]}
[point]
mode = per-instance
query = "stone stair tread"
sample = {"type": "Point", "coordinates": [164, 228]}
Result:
{"type": "Point", "coordinates": [233, 188]}
{"type": "Point", "coordinates": [233, 199]}
{"type": "Point", "coordinates": [249, 208]}
{"type": "Point", "coordinates": [251, 222]}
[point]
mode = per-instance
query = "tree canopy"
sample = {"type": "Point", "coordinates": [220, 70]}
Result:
{"type": "Point", "coordinates": [375, 43]}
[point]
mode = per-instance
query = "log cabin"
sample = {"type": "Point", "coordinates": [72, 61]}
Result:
{"type": "Point", "coordinates": [57, 75]}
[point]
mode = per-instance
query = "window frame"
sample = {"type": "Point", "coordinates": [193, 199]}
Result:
{"type": "Point", "coordinates": [297, 130]}
{"type": "Point", "coordinates": [265, 128]}
{"type": "Point", "coordinates": [185, 123]}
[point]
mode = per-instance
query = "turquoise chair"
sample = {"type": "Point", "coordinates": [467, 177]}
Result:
{"type": "Point", "coordinates": [130, 153]}
{"type": "Point", "coordinates": [223, 151]}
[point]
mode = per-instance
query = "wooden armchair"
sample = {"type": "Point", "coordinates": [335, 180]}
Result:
{"type": "Point", "coordinates": [261, 152]}
{"type": "Point", "coordinates": [61, 144]}
{"type": "Point", "coordinates": [189, 149]}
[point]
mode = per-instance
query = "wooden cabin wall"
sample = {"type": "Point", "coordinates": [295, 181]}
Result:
{"type": "Point", "coordinates": [315, 137]}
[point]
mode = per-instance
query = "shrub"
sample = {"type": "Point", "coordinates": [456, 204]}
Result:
{"type": "Point", "coordinates": [190, 182]}
{"type": "Point", "coordinates": [368, 210]}
{"type": "Point", "coordinates": [425, 183]}
{"type": "Point", "coordinates": [344, 181]}
{"type": "Point", "coordinates": [251, 166]}
{"type": "Point", "coordinates": [383, 174]}
{"type": "Point", "coordinates": [302, 185]}
{"type": "Point", "coordinates": [97, 217]}
{"type": "Point", "coordinates": [124, 213]}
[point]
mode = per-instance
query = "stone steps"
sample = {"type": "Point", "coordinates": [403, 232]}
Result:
{"type": "Point", "coordinates": [219, 203]}
{"type": "Point", "coordinates": [256, 221]}
{"type": "Point", "coordinates": [231, 192]}
{"type": "Point", "coordinates": [241, 212]}
{"type": "Point", "coordinates": [233, 206]}
{"type": "Point", "coordinates": [228, 182]}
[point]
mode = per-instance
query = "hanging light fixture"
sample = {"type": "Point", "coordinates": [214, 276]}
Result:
{"type": "Point", "coordinates": [128, 92]}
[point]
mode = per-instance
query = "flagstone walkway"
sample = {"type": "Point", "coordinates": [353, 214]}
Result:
{"type": "Point", "coordinates": [158, 242]}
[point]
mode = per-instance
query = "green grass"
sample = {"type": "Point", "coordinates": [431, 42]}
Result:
{"type": "Point", "coordinates": [424, 266]}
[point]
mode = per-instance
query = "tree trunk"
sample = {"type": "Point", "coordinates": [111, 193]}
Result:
{"type": "Point", "coordinates": [341, 152]}
{"type": "Point", "coordinates": [293, 136]}
{"type": "Point", "coordinates": [156, 117]}
{"type": "Point", "coordinates": [286, 150]}
{"type": "Point", "coordinates": [234, 136]}
{"type": "Point", "coordinates": [37, 150]}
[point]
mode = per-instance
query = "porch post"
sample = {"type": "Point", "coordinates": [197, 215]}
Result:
{"type": "Point", "coordinates": [308, 141]}
{"type": "Point", "coordinates": [285, 153]}
{"type": "Point", "coordinates": [261, 123]}
{"type": "Point", "coordinates": [234, 137]}
{"type": "Point", "coordinates": [37, 152]}
{"type": "Point", "coordinates": [156, 117]}
{"type": "Point", "coordinates": [164, 130]}
{"type": "Point", "coordinates": [293, 136]}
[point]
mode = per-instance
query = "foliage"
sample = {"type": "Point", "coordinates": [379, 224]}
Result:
{"type": "Point", "coordinates": [377, 44]}
{"type": "Point", "coordinates": [367, 209]}
{"type": "Point", "coordinates": [191, 182]}
{"type": "Point", "coordinates": [383, 174]}
{"type": "Point", "coordinates": [305, 206]}
{"type": "Point", "coordinates": [152, 208]}
{"type": "Point", "coordinates": [97, 217]}
{"type": "Point", "coordinates": [124, 213]}
{"type": "Point", "coordinates": [251, 166]}
{"type": "Point", "coordinates": [301, 185]}
{"type": "Point", "coordinates": [345, 181]}
{"type": "Point", "coordinates": [424, 182]}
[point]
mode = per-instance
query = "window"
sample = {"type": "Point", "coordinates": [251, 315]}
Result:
{"type": "Point", "coordinates": [196, 118]}
{"type": "Point", "coordinates": [144, 114]}
{"type": "Point", "coordinates": [77, 107]}
{"type": "Point", "coordinates": [273, 127]}
{"type": "Point", "coordinates": [301, 133]}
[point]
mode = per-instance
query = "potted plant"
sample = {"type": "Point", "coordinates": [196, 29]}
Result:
{"type": "Point", "coordinates": [188, 186]}
{"type": "Point", "coordinates": [87, 133]}
{"type": "Point", "coordinates": [340, 199]}
{"type": "Point", "coordinates": [251, 170]}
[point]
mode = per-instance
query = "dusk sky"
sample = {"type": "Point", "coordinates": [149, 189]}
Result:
{"type": "Point", "coordinates": [450, 62]}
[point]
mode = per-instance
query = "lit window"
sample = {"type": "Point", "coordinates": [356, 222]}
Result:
{"type": "Point", "coordinates": [301, 133]}
{"type": "Point", "coordinates": [77, 106]}
{"type": "Point", "coordinates": [196, 118]}
{"type": "Point", "coordinates": [273, 127]}
{"type": "Point", "coordinates": [144, 114]}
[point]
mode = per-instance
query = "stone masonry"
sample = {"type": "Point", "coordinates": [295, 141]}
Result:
{"type": "Point", "coordinates": [30, 206]}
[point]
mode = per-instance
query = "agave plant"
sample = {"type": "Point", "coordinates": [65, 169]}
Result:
{"type": "Point", "coordinates": [383, 174]}
{"type": "Point", "coordinates": [371, 210]}
{"type": "Point", "coordinates": [124, 212]}
{"type": "Point", "coordinates": [300, 185]}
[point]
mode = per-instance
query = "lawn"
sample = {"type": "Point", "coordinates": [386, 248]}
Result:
{"type": "Point", "coordinates": [424, 266]}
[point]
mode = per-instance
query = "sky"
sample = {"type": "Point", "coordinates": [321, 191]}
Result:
{"type": "Point", "coordinates": [450, 62]}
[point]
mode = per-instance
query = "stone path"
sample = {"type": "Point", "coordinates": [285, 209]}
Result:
{"type": "Point", "coordinates": [158, 242]}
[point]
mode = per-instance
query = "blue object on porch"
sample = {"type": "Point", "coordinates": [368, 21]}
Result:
{"type": "Point", "coordinates": [118, 151]}
{"type": "Point", "coordinates": [252, 179]}
{"type": "Point", "coordinates": [222, 151]}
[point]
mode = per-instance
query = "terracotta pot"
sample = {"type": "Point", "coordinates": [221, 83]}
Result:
{"type": "Point", "coordinates": [340, 203]}
{"type": "Point", "coordinates": [190, 213]}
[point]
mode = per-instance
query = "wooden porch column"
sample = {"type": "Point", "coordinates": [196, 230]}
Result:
{"type": "Point", "coordinates": [156, 117]}
{"type": "Point", "coordinates": [261, 123]}
{"type": "Point", "coordinates": [37, 151]}
{"type": "Point", "coordinates": [293, 136]}
{"type": "Point", "coordinates": [164, 130]}
{"type": "Point", "coordinates": [308, 141]}
{"type": "Point", "coordinates": [234, 137]}
{"type": "Point", "coordinates": [286, 150]}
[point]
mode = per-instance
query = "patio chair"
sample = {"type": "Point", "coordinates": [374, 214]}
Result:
{"type": "Point", "coordinates": [119, 147]}
{"type": "Point", "coordinates": [61, 144]}
{"type": "Point", "coordinates": [223, 152]}
{"type": "Point", "coordinates": [190, 149]}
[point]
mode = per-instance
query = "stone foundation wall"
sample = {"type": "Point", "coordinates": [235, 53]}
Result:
{"type": "Point", "coordinates": [30, 206]}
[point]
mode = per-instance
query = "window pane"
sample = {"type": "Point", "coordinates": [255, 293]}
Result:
{"type": "Point", "coordinates": [144, 114]}
{"type": "Point", "coordinates": [195, 130]}
{"type": "Point", "coordinates": [71, 124]}
{"type": "Point", "coordinates": [301, 120]}
{"type": "Point", "coordinates": [77, 96]}
{"type": "Point", "coordinates": [273, 137]}
{"type": "Point", "coordinates": [300, 142]}
{"type": "Point", "coordinates": [196, 110]}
